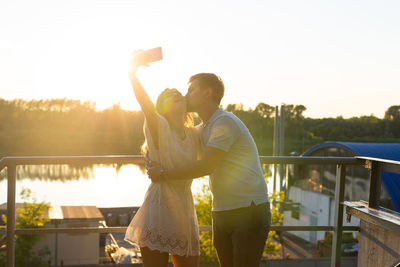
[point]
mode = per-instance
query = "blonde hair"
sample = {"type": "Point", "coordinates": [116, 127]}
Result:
{"type": "Point", "coordinates": [161, 107]}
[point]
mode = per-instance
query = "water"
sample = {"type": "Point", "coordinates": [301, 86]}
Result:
{"type": "Point", "coordinates": [97, 185]}
{"type": "Point", "coordinates": [101, 186]}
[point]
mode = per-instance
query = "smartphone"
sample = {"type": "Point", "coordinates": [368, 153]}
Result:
{"type": "Point", "coordinates": [144, 57]}
{"type": "Point", "coordinates": [154, 54]}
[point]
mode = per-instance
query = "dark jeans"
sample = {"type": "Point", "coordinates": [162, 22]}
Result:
{"type": "Point", "coordinates": [239, 235]}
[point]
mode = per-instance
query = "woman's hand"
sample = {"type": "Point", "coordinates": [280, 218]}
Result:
{"type": "Point", "coordinates": [134, 62]}
{"type": "Point", "coordinates": [138, 58]}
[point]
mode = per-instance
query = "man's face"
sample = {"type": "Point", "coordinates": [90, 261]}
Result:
{"type": "Point", "coordinates": [194, 96]}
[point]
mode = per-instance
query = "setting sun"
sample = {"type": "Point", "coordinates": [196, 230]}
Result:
{"type": "Point", "coordinates": [80, 51]}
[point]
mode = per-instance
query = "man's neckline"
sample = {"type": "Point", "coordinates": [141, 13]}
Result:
{"type": "Point", "coordinates": [215, 114]}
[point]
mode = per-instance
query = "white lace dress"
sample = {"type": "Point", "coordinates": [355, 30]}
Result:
{"type": "Point", "coordinates": [167, 220]}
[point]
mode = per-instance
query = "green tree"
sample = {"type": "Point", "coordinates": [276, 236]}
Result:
{"type": "Point", "coordinates": [265, 110]}
{"type": "Point", "coordinates": [31, 215]}
{"type": "Point", "coordinates": [71, 127]}
{"type": "Point", "coordinates": [392, 119]}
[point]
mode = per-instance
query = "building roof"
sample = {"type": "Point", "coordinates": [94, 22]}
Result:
{"type": "Point", "coordinates": [390, 151]}
{"type": "Point", "coordinates": [4, 206]}
{"type": "Point", "coordinates": [67, 212]}
{"type": "Point", "coordinates": [74, 212]}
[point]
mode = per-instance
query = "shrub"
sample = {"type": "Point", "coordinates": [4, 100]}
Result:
{"type": "Point", "coordinates": [31, 215]}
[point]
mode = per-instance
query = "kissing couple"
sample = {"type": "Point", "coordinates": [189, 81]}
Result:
{"type": "Point", "coordinates": [178, 152]}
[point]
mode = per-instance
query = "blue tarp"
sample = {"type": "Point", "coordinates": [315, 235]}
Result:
{"type": "Point", "coordinates": [373, 150]}
{"type": "Point", "coordinates": [390, 181]}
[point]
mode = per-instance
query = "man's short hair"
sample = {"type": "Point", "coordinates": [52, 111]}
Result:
{"type": "Point", "coordinates": [210, 80]}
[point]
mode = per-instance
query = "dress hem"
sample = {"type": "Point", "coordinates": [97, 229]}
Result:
{"type": "Point", "coordinates": [159, 249]}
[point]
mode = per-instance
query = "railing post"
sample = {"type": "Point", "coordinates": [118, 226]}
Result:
{"type": "Point", "coordinates": [11, 175]}
{"type": "Point", "coordinates": [281, 145]}
{"type": "Point", "coordinates": [275, 144]}
{"type": "Point", "coordinates": [339, 197]}
{"type": "Point", "coordinates": [375, 185]}
{"type": "Point", "coordinates": [287, 182]}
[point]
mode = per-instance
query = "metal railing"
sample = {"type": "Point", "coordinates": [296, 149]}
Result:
{"type": "Point", "coordinates": [372, 211]}
{"type": "Point", "coordinates": [12, 162]}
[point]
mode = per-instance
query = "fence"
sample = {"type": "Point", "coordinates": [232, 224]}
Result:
{"type": "Point", "coordinates": [12, 162]}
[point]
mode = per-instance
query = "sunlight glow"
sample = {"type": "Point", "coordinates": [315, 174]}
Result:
{"type": "Point", "coordinates": [275, 52]}
{"type": "Point", "coordinates": [105, 189]}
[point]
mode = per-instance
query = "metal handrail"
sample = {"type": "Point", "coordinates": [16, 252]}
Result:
{"type": "Point", "coordinates": [202, 228]}
{"type": "Point", "coordinates": [12, 162]}
{"type": "Point", "coordinates": [312, 160]}
{"type": "Point", "coordinates": [137, 159]}
{"type": "Point", "coordinates": [81, 160]}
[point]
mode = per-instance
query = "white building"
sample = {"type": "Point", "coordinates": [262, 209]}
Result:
{"type": "Point", "coordinates": [72, 249]}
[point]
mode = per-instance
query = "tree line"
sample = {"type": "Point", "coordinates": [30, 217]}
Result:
{"type": "Point", "coordinates": [72, 127]}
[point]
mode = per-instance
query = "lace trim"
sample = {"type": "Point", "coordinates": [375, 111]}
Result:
{"type": "Point", "coordinates": [173, 245]}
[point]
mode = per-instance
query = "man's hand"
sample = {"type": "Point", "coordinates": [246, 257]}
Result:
{"type": "Point", "coordinates": [147, 160]}
{"type": "Point", "coordinates": [199, 168]}
{"type": "Point", "coordinates": [154, 171]}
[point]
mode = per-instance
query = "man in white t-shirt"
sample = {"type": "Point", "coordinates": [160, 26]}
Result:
{"type": "Point", "coordinates": [240, 210]}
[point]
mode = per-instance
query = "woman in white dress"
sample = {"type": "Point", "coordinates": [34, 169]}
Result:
{"type": "Point", "coordinates": [166, 223]}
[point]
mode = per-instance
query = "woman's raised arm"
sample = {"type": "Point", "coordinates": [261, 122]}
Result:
{"type": "Point", "coordinates": [146, 104]}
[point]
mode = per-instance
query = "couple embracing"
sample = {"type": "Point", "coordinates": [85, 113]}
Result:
{"type": "Point", "coordinates": [178, 152]}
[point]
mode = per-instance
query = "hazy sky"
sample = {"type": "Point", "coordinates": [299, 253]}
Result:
{"type": "Point", "coordinates": [334, 57]}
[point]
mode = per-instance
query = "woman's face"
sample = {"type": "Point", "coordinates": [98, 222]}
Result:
{"type": "Point", "coordinates": [177, 105]}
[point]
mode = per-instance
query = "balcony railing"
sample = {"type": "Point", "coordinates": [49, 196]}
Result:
{"type": "Point", "coordinates": [12, 162]}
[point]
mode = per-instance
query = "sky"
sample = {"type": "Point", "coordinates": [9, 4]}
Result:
{"type": "Point", "coordinates": [338, 58]}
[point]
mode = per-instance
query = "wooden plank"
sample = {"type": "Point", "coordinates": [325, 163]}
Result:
{"type": "Point", "coordinates": [379, 236]}
{"type": "Point", "coordinates": [383, 219]}
{"type": "Point", "coordinates": [339, 197]}
{"type": "Point", "coordinates": [377, 246]}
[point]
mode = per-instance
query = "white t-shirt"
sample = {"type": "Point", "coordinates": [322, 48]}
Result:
{"type": "Point", "coordinates": [238, 179]}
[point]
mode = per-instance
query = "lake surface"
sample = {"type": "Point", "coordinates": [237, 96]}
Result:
{"type": "Point", "coordinates": [97, 185]}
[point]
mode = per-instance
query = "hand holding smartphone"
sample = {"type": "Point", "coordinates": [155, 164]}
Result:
{"type": "Point", "coordinates": [143, 57]}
